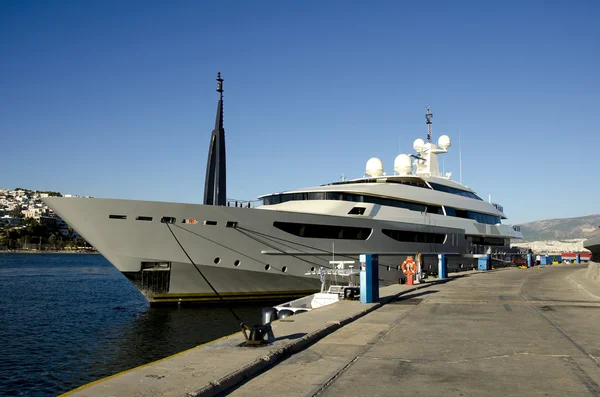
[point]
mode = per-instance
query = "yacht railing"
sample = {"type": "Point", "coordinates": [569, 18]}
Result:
{"type": "Point", "coordinates": [243, 203]}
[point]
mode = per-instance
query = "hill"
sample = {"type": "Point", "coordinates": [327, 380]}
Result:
{"type": "Point", "coordinates": [582, 227]}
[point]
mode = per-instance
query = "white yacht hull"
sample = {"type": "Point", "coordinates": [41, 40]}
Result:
{"type": "Point", "coordinates": [246, 259]}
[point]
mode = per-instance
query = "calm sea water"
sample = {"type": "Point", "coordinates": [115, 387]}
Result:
{"type": "Point", "coordinates": [68, 319]}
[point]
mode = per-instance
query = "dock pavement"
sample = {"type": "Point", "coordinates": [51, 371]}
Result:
{"type": "Point", "coordinates": [513, 331]}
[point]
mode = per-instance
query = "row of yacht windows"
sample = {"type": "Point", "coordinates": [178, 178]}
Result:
{"type": "Point", "coordinates": [359, 198]}
{"type": "Point", "coordinates": [415, 237]}
{"type": "Point", "coordinates": [452, 190]}
{"type": "Point", "coordinates": [308, 230]}
{"type": "Point", "coordinates": [416, 183]}
{"type": "Point", "coordinates": [476, 216]}
{"type": "Point", "coordinates": [494, 241]}
{"type": "Point", "coordinates": [324, 231]}
{"type": "Point", "coordinates": [409, 182]}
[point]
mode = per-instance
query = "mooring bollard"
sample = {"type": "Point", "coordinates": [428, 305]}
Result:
{"type": "Point", "coordinates": [369, 278]}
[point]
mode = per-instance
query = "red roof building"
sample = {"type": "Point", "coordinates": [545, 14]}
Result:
{"type": "Point", "coordinates": [571, 256]}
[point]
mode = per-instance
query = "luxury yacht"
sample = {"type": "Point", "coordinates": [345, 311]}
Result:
{"type": "Point", "coordinates": [277, 250]}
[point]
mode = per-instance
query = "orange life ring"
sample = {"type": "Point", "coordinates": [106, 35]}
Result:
{"type": "Point", "coordinates": [409, 267]}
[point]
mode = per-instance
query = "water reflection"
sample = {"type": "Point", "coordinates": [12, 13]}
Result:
{"type": "Point", "coordinates": [67, 320]}
{"type": "Point", "coordinates": [161, 332]}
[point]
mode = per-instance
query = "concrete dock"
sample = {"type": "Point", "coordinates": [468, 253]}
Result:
{"type": "Point", "coordinates": [533, 332]}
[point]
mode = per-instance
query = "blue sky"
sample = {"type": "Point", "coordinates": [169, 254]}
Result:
{"type": "Point", "coordinates": [117, 98]}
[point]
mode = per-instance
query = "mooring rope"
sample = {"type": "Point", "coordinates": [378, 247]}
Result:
{"type": "Point", "coordinates": [242, 324]}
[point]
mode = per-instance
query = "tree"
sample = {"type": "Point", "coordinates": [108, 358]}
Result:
{"type": "Point", "coordinates": [16, 212]}
{"type": "Point", "coordinates": [52, 240]}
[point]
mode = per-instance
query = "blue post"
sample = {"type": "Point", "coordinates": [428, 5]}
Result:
{"type": "Point", "coordinates": [483, 263]}
{"type": "Point", "coordinates": [442, 266]}
{"type": "Point", "coordinates": [529, 260]}
{"type": "Point", "coordinates": [578, 258]}
{"type": "Point", "coordinates": [369, 278]}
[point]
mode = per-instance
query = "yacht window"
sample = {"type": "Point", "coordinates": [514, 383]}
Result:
{"type": "Point", "coordinates": [316, 196]}
{"type": "Point", "coordinates": [117, 216]}
{"type": "Point", "coordinates": [308, 230]}
{"type": "Point", "coordinates": [168, 219]}
{"type": "Point", "coordinates": [479, 240]}
{"type": "Point", "coordinates": [476, 216]}
{"type": "Point", "coordinates": [452, 190]}
{"type": "Point", "coordinates": [210, 223]}
{"type": "Point", "coordinates": [298, 196]}
{"type": "Point", "coordinates": [434, 209]}
{"type": "Point", "coordinates": [144, 218]}
{"type": "Point", "coordinates": [357, 211]}
{"type": "Point", "coordinates": [415, 237]}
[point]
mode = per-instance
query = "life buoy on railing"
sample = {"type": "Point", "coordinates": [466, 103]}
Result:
{"type": "Point", "coordinates": [409, 266]}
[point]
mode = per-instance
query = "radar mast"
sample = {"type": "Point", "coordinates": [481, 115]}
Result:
{"type": "Point", "coordinates": [428, 117]}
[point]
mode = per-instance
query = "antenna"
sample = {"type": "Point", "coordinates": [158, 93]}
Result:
{"type": "Point", "coordinates": [459, 158]}
{"type": "Point", "coordinates": [220, 84]}
{"type": "Point", "coordinates": [333, 251]}
{"type": "Point", "coordinates": [428, 117]}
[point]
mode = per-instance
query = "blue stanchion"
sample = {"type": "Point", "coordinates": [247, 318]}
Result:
{"type": "Point", "coordinates": [484, 262]}
{"type": "Point", "coordinates": [529, 260]}
{"type": "Point", "coordinates": [369, 278]}
{"type": "Point", "coordinates": [442, 266]}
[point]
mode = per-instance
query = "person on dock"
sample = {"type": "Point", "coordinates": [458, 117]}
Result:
{"type": "Point", "coordinates": [419, 260]}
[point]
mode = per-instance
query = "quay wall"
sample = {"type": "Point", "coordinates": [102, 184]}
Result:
{"type": "Point", "coordinates": [593, 272]}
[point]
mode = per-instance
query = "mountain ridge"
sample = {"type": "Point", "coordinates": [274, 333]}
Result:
{"type": "Point", "coordinates": [581, 227]}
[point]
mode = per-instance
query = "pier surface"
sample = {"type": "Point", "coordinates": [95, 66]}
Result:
{"type": "Point", "coordinates": [514, 332]}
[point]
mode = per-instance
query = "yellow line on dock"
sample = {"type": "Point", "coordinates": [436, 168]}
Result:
{"type": "Point", "coordinates": [83, 387]}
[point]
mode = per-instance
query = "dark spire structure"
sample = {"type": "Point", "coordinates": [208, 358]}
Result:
{"type": "Point", "coordinates": [428, 117]}
{"type": "Point", "coordinates": [215, 184]}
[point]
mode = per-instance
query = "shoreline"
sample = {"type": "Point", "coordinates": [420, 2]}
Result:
{"type": "Point", "coordinates": [49, 252]}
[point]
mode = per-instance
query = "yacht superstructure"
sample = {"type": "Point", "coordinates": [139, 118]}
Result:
{"type": "Point", "coordinates": [274, 251]}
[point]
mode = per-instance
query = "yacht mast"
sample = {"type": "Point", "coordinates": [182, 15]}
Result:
{"type": "Point", "coordinates": [215, 184]}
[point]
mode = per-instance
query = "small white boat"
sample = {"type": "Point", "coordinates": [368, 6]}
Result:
{"type": "Point", "coordinates": [332, 289]}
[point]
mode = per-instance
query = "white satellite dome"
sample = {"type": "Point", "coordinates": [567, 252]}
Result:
{"type": "Point", "coordinates": [418, 144]}
{"type": "Point", "coordinates": [403, 164]}
{"type": "Point", "coordinates": [374, 167]}
{"type": "Point", "coordinates": [444, 142]}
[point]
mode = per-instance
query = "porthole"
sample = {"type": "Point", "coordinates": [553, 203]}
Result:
{"type": "Point", "coordinates": [284, 269]}
{"type": "Point", "coordinates": [236, 263]}
{"type": "Point", "coordinates": [217, 260]}
{"type": "Point", "coordinates": [312, 269]}
{"type": "Point", "coordinates": [389, 268]}
{"type": "Point", "coordinates": [267, 267]}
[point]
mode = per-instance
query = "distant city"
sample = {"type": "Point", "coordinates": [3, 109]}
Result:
{"type": "Point", "coordinates": [27, 223]}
